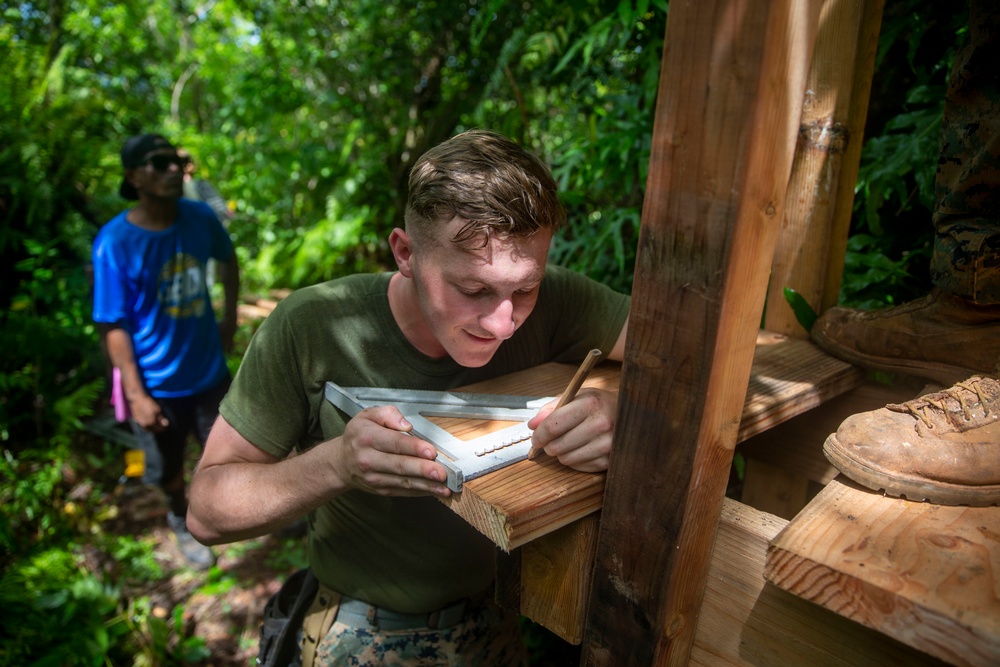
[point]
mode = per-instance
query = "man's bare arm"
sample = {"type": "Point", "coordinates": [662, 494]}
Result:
{"type": "Point", "coordinates": [145, 409]}
{"type": "Point", "coordinates": [240, 491]}
{"type": "Point", "coordinates": [618, 351]}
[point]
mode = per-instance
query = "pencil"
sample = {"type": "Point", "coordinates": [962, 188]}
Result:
{"type": "Point", "coordinates": [574, 386]}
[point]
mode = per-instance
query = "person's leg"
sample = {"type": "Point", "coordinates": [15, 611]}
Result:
{"type": "Point", "coordinates": [206, 409]}
{"type": "Point", "coordinates": [955, 331]}
{"type": "Point", "coordinates": [943, 447]}
{"type": "Point", "coordinates": [173, 443]}
{"type": "Point", "coordinates": [966, 259]}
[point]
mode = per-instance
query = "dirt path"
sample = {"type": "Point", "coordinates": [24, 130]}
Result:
{"type": "Point", "coordinates": [222, 606]}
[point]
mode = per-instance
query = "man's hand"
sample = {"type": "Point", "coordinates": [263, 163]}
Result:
{"type": "Point", "coordinates": [240, 491]}
{"type": "Point", "coordinates": [376, 455]}
{"type": "Point", "coordinates": [146, 412]}
{"type": "Point", "coordinates": [579, 433]}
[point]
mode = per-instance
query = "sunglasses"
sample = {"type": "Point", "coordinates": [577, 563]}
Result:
{"type": "Point", "coordinates": [163, 162]}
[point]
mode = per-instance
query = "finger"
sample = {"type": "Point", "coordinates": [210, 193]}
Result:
{"type": "Point", "coordinates": [385, 459]}
{"type": "Point", "coordinates": [556, 423]}
{"type": "Point", "coordinates": [542, 414]}
{"type": "Point", "coordinates": [592, 457]}
{"type": "Point", "coordinates": [389, 417]}
{"type": "Point", "coordinates": [406, 475]}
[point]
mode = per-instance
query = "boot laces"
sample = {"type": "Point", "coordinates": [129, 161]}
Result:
{"type": "Point", "coordinates": [976, 392]}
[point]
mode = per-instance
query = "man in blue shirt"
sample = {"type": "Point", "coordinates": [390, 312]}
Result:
{"type": "Point", "coordinates": [154, 311]}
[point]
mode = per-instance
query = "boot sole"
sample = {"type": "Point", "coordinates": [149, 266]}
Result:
{"type": "Point", "coordinates": [943, 373]}
{"type": "Point", "coordinates": [939, 493]}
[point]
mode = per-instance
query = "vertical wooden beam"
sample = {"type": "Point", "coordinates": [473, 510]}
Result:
{"type": "Point", "coordinates": [809, 256]}
{"type": "Point", "coordinates": [730, 96]}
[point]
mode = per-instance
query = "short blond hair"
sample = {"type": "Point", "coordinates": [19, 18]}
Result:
{"type": "Point", "coordinates": [487, 180]}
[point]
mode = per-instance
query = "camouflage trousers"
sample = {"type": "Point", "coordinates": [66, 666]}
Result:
{"type": "Point", "coordinates": [966, 259]}
{"type": "Point", "coordinates": [487, 636]}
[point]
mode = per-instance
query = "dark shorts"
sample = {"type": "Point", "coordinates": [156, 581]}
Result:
{"type": "Point", "coordinates": [188, 416]}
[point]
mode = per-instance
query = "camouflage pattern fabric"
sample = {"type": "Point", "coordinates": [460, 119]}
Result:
{"type": "Point", "coordinates": [488, 636]}
{"type": "Point", "coordinates": [966, 260]}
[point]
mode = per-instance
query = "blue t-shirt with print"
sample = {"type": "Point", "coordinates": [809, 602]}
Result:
{"type": "Point", "coordinates": [154, 284]}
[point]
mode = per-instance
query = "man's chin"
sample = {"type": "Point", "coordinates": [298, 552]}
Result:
{"type": "Point", "coordinates": [476, 358]}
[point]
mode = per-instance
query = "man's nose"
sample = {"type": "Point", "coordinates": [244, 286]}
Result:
{"type": "Point", "coordinates": [500, 320]}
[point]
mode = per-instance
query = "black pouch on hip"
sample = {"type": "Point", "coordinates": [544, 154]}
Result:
{"type": "Point", "coordinates": [283, 616]}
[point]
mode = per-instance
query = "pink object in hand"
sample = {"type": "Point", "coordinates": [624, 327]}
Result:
{"type": "Point", "coordinates": [122, 412]}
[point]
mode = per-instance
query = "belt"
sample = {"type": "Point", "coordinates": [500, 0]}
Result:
{"type": "Point", "coordinates": [360, 614]}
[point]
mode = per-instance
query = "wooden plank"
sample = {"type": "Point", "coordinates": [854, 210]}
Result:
{"type": "Point", "coordinates": [529, 499]}
{"type": "Point", "coordinates": [809, 255]}
{"type": "Point", "coordinates": [555, 577]}
{"type": "Point", "coordinates": [927, 575]}
{"type": "Point", "coordinates": [731, 90]}
{"type": "Point", "coordinates": [745, 621]}
{"type": "Point", "coordinates": [774, 489]}
{"type": "Point", "coordinates": [790, 376]}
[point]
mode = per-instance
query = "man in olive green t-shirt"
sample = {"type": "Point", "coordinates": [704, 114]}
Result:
{"type": "Point", "coordinates": [472, 299]}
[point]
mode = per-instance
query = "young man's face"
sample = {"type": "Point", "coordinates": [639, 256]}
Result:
{"type": "Point", "coordinates": [161, 175]}
{"type": "Point", "coordinates": [470, 299]}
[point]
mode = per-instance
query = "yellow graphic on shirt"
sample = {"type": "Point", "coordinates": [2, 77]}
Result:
{"type": "Point", "coordinates": [182, 287]}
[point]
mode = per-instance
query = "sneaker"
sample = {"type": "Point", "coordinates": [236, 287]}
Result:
{"type": "Point", "coordinates": [198, 556]}
{"type": "Point", "coordinates": [942, 447]}
{"type": "Point", "coordinates": [941, 337]}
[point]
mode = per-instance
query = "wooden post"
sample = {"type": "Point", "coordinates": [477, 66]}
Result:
{"type": "Point", "coordinates": [730, 97]}
{"type": "Point", "coordinates": [809, 255]}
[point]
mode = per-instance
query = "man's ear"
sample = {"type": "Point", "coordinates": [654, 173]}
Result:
{"type": "Point", "coordinates": [402, 251]}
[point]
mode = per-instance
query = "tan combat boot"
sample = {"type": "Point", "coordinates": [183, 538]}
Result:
{"type": "Point", "coordinates": [943, 447]}
{"type": "Point", "coordinates": [941, 337]}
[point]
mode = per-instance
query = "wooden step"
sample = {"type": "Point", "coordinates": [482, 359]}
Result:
{"type": "Point", "coordinates": [927, 575]}
{"type": "Point", "coordinates": [746, 621]}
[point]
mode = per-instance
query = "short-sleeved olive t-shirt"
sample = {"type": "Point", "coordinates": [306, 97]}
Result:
{"type": "Point", "coordinates": [408, 554]}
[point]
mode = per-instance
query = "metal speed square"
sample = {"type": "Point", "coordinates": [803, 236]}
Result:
{"type": "Point", "coordinates": [464, 459]}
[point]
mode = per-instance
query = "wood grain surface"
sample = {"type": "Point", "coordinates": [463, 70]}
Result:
{"type": "Point", "coordinates": [927, 575]}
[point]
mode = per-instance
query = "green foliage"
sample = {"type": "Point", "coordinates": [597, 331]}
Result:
{"type": "Point", "coordinates": [804, 313]}
{"type": "Point", "coordinates": [601, 165]}
{"type": "Point", "coordinates": [54, 359]}
{"type": "Point", "coordinates": [56, 608]}
{"type": "Point", "coordinates": [889, 250]}
{"type": "Point", "coordinates": [54, 613]}
{"type": "Point", "coordinates": [28, 498]}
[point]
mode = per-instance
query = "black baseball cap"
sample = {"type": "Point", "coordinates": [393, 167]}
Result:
{"type": "Point", "coordinates": [134, 150]}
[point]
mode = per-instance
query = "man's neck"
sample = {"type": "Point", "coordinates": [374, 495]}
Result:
{"type": "Point", "coordinates": [154, 213]}
{"type": "Point", "coordinates": [405, 306]}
